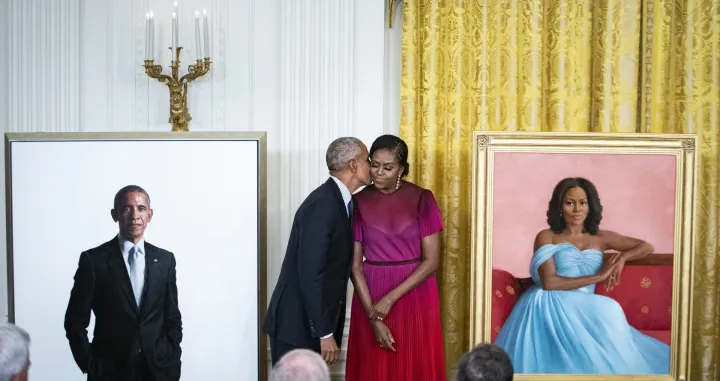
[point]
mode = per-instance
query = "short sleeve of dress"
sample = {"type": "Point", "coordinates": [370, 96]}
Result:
{"type": "Point", "coordinates": [429, 215]}
{"type": "Point", "coordinates": [357, 224]}
{"type": "Point", "coordinates": [541, 255]}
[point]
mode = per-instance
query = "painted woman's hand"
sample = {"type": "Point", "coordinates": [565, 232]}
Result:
{"type": "Point", "coordinates": [614, 278]}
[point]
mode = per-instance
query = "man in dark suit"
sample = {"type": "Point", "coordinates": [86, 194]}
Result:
{"type": "Point", "coordinates": [307, 308]}
{"type": "Point", "coordinates": [131, 287]}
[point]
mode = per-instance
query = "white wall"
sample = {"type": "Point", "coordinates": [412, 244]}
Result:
{"type": "Point", "coordinates": [392, 71]}
{"type": "Point", "coordinates": [4, 78]}
{"type": "Point", "coordinates": [304, 71]}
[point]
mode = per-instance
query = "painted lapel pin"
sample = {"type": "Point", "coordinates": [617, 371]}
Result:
{"type": "Point", "coordinates": [155, 260]}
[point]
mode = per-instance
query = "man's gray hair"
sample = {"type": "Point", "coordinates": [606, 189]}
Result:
{"type": "Point", "coordinates": [14, 350]}
{"type": "Point", "coordinates": [300, 365]}
{"type": "Point", "coordinates": [341, 151]}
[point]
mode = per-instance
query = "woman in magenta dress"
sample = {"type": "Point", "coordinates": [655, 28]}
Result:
{"type": "Point", "coordinates": [395, 328]}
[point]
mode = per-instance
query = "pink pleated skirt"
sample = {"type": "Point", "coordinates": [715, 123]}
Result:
{"type": "Point", "coordinates": [414, 322]}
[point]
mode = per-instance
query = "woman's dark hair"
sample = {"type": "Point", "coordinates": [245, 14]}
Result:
{"type": "Point", "coordinates": [486, 362]}
{"type": "Point", "coordinates": [554, 216]}
{"type": "Point", "coordinates": [395, 145]}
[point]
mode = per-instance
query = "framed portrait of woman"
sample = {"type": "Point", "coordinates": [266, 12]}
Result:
{"type": "Point", "coordinates": [582, 253]}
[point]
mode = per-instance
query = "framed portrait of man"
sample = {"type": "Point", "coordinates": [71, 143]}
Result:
{"type": "Point", "coordinates": [581, 253]}
{"type": "Point", "coordinates": [139, 254]}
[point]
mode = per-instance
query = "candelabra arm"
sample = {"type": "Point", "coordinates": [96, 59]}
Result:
{"type": "Point", "coordinates": [155, 71]}
{"type": "Point", "coordinates": [197, 70]}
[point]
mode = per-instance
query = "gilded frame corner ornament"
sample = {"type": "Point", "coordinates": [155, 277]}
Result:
{"type": "Point", "coordinates": [689, 144]}
{"type": "Point", "coordinates": [682, 146]}
{"type": "Point", "coordinates": [482, 141]}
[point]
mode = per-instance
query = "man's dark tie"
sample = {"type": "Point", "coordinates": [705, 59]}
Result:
{"type": "Point", "coordinates": [350, 209]}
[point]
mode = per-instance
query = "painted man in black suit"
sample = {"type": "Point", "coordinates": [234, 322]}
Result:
{"type": "Point", "coordinates": [131, 288]}
{"type": "Point", "coordinates": [307, 308]}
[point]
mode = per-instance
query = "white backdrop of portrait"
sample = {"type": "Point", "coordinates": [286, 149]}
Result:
{"type": "Point", "coordinates": [205, 198]}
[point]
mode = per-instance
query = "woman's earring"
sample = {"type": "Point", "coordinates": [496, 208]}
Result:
{"type": "Point", "coordinates": [561, 213]}
{"type": "Point", "coordinates": [397, 185]}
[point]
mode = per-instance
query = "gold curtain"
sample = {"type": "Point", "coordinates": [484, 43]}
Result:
{"type": "Point", "coordinates": [551, 65]}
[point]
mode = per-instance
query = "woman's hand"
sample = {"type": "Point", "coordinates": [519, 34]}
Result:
{"type": "Point", "coordinates": [614, 278]}
{"type": "Point", "coordinates": [383, 335]}
{"type": "Point", "coordinates": [609, 266]}
{"type": "Point", "coordinates": [381, 308]}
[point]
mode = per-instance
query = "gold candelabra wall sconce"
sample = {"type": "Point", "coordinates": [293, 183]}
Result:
{"type": "Point", "coordinates": [177, 85]}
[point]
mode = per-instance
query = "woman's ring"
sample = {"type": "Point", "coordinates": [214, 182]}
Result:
{"type": "Point", "coordinates": [379, 318]}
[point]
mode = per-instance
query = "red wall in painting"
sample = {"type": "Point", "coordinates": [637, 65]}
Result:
{"type": "Point", "coordinates": [637, 193]}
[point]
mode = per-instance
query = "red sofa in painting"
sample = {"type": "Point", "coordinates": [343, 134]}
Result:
{"type": "Point", "coordinates": [644, 293]}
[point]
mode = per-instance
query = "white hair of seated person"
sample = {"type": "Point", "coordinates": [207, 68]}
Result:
{"type": "Point", "coordinates": [300, 365]}
{"type": "Point", "coordinates": [14, 352]}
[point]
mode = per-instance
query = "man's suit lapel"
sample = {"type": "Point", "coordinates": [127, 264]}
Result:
{"type": "Point", "coordinates": [117, 264]}
{"type": "Point", "coordinates": [342, 207]}
{"type": "Point", "coordinates": [152, 274]}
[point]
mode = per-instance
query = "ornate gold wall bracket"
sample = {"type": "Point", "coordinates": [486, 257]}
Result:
{"type": "Point", "coordinates": [179, 115]}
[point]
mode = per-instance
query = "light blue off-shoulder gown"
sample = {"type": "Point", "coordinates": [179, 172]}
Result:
{"type": "Point", "coordinates": [576, 331]}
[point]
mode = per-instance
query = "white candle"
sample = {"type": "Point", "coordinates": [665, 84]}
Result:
{"type": "Point", "coordinates": [147, 36]}
{"type": "Point", "coordinates": [197, 36]}
{"type": "Point", "coordinates": [174, 36]}
{"type": "Point", "coordinates": [177, 26]}
{"type": "Point", "coordinates": [152, 36]}
{"type": "Point", "coordinates": [207, 36]}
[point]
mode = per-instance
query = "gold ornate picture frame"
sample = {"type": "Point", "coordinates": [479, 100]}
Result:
{"type": "Point", "coordinates": [649, 182]}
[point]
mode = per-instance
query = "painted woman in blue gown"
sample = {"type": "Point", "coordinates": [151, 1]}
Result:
{"type": "Point", "coordinates": [559, 325]}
